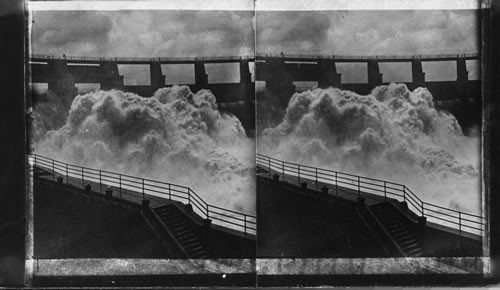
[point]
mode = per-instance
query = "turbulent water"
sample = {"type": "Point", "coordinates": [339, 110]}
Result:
{"type": "Point", "coordinates": [181, 137]}
{"type": "Point", "coordinates": [176, 136]}
{"type": "Point", "coordinates": [392, 134]}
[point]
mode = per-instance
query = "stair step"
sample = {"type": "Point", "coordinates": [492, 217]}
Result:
{"type": "Point", "coordinates": [180, 229]}
{"type": "Point", "coordinates": [161, 207]}
{"type": "Point", "coordinates": [410, 247]}
{"type": "Point", "coordinates": [169, 219]}
{"type": "Point", "coordinates": [415, 251]}
{"type": "Point", "coordinates": [390, 222]}
{"type": "Point", "coordinates": [186, 236]}
{"type": "Point", "coordinates": [405, 238]}
{"type": "Point", "coordinates": [191, 243]}
{"type": "Point", "coordinates": [168, 211]}
{"type": "Point", "coordinates": [176, 223]}
{"type": "Point", "coordinates": [388, 216]}
{"type": "Point", "coordinates": [394, 227]}
{"type": "Point", "coordinates": [183, 231]}
{"type": "Point", "coordinates": [194, 247]}
{"type": "Point", "coordinates": [198, 252]}
{"type": "Point", "coordinates": [402, 236]}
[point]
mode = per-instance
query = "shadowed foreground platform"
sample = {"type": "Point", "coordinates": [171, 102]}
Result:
{"type": "Point", "coordinates": [70, 225]}
{"type": "Point", "coordinates": [294, 225]}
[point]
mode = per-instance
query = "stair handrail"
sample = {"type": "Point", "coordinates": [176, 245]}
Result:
{"type": "Point", "coordinates": [244, 222]}
{"type": "Point", "coordinates": [460, 220]}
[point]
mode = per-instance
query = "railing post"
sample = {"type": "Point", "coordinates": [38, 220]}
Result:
{"type": "Point", "coordinates": [208, 212]}
{"type": "Point", "coordinates": [316, 169]}
{"type": "Point", "coordinates": [359, 186]}
{"type": "Point", "coordinates": [283, 169]}
{"type": "Point", "coordinates": [422, 205]}
{"type": "Point", "coordinates": [120, 183]}
{"type": "Point", "coordinates": [67, 175]}
{"type": "Point", "coordinates": [385, 190]}
{"type": "Point", "coordinates": [460, 230]}
{"type": "Point", "coordinates": [189, 195]}
{"type": "Point", "coordinates": [169, 192]}
{"type": "Point", "coordinates": [142, 188]}
{"type": "Point", "coordinates": [83, 180]}
{"type": "Point", "coordinates": [245, 223]}
{"type": "Point", "coordinates": [35, 159]}
{"type": "Point", "coordinates": [100, 181]}
{"type": "Point", "coordinates": [404, 193]}
{"type": "Point", "coordinates": [298, 173]}
{"type": "Point", "coordinates": [336, 184]}
{"type": "Point", "coordinates": [53, 171]}
{"type": "Point", "coordinates": [269, 163]}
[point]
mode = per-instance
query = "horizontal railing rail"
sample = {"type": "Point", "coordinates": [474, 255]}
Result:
{"type": "Point", "coordinates": [41, 57]}
{"type": "Point", "coordinates": [259, 56]}
{"type": "Point", "coordinates": [367, 57]}
{"type": "Point", "coordinates": [144, 188]}
{"type": "Point", "coordinates": [361, 185]}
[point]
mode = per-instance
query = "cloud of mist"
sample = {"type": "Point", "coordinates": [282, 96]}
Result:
{"type": "Point", "coordinates": [175, 136]}
{"type": "Point", "coordinates": [392, 134]}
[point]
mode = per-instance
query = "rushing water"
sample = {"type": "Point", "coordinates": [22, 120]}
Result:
{"type": "Point", "coordinates": [392, 134]}
{"type": "Point", "coordinates": [176, 136]}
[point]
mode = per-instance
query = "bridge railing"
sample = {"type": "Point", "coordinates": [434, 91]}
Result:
{"type": "Point", "coordinates": [359, 185]}
{"type": "Point", "coordinates": [137, 59]}
{"type": "Point", "coordinates": [364, 57]}
{"type": "Point", "coordinates": [257, 56]}
{"type": "Point", "coordinates": [137, 188]}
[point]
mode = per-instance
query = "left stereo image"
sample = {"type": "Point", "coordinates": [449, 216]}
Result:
{"type": "Point", "coordinates": [143, 155]}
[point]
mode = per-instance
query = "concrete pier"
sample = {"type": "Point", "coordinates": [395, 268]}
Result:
{"type": "Point", "coordinates": [417, 72]}
{"type": "Point", "coordinates": [156, 75]}
{"type": "Point", "coordinates": [328, 76]}
{"type": "Point", "coordinates": [374, 75]}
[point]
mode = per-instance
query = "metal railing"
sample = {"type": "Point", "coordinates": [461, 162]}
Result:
{"type": "Point", "coordinates": [142, 188]}
{"type": "Point", "coordinates": [41, 57]}
{"type": "Point", "coordinates": [258, 56]}
{"type": "Point", "coordinates": [359, 185]}
{"type": "Point", "coordinates": [367, 57]}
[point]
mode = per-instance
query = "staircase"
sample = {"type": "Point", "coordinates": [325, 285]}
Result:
{"type": "Point", "coordinates": [396, 224]}
{"type": "Point", "coordinates": [179, 225]}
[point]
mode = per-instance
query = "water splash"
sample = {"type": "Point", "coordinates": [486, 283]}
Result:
{"type": "Point", "coordinates": [392, 134]}
{"type": "Point", "coordinates": [176, 136]}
